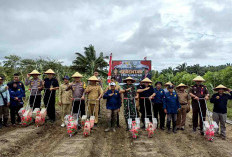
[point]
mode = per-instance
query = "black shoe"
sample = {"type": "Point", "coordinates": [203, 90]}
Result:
{"type": "Point", "coordinates": [162, 128]}
{"type": "Point", "coordinates": [194, 129]}
{"type": "Point", "coordinates": [5, 122]}
{"type": "Point", "coordinates": [182, 129]}
{"type": "Point", "coordinates": [202, 133]}
{"type": "Point", "coordinates": [0, 123]}
{"type": "Point", "coordinates": [169, 131]}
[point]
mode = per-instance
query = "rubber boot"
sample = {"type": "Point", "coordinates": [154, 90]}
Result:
{"type": "Point", "coordinates": [0, 123]}
{"type": "Point", "coordinates": [174, 127]}
{"type": "Point", "coordinates": [5, 122]}
{"type": "Point", "coordinates": [109, 126]}
{"type": "Point", "coordinates": [169, 126]}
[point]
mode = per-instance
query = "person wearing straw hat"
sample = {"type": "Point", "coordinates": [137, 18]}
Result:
{"type": "Point", "coordinates": [146, 92]}
{"type": "Point", "coordinates": [166, 86]}
{"type": "Point", "coordinates": [158, 105]}
{"type": "Point", "coordinates": [129, 93]}
{"type": "Point", "coordinates": [198, 92]}
{"type": "Point", "coordinates": [77, 87]}
{"type": "Point", "coordinates": [94, 93]}
{"type": "Point", "coordinates": [171, 107]}
{"type": "Point", "coordinates": [51, 85]}
{"type": "Point", "coordinates": [113, 105]}
{"type": "Point", "coordinates": [220, 100]}
{"type": "Point", "coordinates": [185, 100]}
{"type": "Point", "coordinates": [36, 86]}
{"type": "Point", "coordinates": [4, 103]}
{"type": "Point", "coordinates": [65, 99]}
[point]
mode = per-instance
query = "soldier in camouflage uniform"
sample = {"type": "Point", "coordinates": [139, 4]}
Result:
{"type": "Point", "coordinates": [129, 93]}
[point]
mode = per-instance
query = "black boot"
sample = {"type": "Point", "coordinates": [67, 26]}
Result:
{"type": "Point", "coordinates": [174, 127]}
{"type": "Point", "coordinates": [0, 123]}
{"type": "Point", "coordinates": [169, 126]}
{"type": "Point", "coordinates": [5, 122]}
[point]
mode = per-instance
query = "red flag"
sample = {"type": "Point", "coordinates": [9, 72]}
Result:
{"type": "Point", "coordinates": [110, 69]}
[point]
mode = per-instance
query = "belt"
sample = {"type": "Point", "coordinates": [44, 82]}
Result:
{"type": "Point", "coordinates": [183, 104]}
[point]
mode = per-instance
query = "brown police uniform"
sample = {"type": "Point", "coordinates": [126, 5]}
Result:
{"type": "Point", "coordinates": [184, 99]}
{"type": "Point", "coordinates": [94, 91]}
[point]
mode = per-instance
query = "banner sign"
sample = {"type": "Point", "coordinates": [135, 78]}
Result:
{"type": "Point", "coordinates": [137, 69]}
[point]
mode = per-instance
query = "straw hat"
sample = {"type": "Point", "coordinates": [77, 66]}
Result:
{"type": "Point", "coordinates": [49, 71]}
{"type": "Point", "coordinates": [146, 80]}
{"type": "Point", "coordinates": [1, 78]}
{"type": "Point", "coordinates": [77, 74]}
{"type": "Point", "coordinates": [93, 78]}
{"type": "Point", "coordinates": [168, 83]}
{"type": "Point", "coordinates": [221, 87]}
{"type": "Point", "coordinates": [129, 79]}
{"type": "Point", "coordinates": [35, 72]}
{"type": "Point", "coordinates": [182, 85]}
{"type": "Point", "coordinates": [199, 78]}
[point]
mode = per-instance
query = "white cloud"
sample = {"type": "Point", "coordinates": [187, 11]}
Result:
{"type": "Point", "coordinates": [169, 32]}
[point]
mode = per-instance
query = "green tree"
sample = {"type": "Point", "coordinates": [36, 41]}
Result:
{"type": "Point", "coordinates": [89, 62]}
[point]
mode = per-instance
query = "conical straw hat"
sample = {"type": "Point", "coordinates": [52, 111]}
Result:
{"type": "Point", "coordinates": [129, 78]}
{"type": "Point", "coordinates": [199, 78]}
{"type": "Point", "coordinates": [168, 83]}
{"type": "Point", "coordinates": [220, 87]}
{"type": "Point", "coordinates": [77, 74]}
{"type": "Point", "coordinates": [49, 71]}
{"type": "Point", "coordinates": [182, 85]}
{"type": "Point", "coordinates": [93, 78]}
{"type": "Point", "coordinates": [146, 80]}
{"type": "Point", "coordinates": [35, 72]}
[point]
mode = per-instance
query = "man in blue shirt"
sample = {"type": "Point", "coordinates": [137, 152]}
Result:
{"type": "Point", "coordinates": [220, 100]}
{"type": "Point", "coordinates": [16, 102]}
{"type": "Point", "coordinates": [113, 105]}
{"type": "Point", "coordinates": [16, 80]}
{"type": "Point", "coordinates": [171, 107]}
{"type": "Point", "coordinates": [158, 104]}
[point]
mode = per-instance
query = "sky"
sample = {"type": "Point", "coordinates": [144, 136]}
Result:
{"type": "Point", "coordinates": [168, 32]}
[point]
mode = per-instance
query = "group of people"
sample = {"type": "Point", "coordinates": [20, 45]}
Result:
{"type": "Point", "coordinates": [144, 100]}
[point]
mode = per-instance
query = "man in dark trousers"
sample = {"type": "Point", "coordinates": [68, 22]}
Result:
{"type": "Point", "coordinates": [198, 92]}
{"type": "Point", "coordinates": [16, 80]}
{"type": "Point", "coordinates": [220, 100]}
{"type": "Point", "coordinates": [51, 85]}
{"type": "Point", "coordinates": [158, 105]}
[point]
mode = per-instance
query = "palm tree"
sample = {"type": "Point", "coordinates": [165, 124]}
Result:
{"type": "Point", "coordinates": [89, 62]}
{"type": "Point", "coordinates": [181, 67]}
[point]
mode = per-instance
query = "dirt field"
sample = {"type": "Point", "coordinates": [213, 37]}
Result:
{"type": "Point", "coordinates": [52, 140]}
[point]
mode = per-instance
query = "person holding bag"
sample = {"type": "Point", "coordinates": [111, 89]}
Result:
{"type": "Point", "coordinates": [4, 103]}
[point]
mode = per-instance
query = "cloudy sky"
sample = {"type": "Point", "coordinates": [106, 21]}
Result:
{"type": "Point", "coordinates": [168, 32]}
